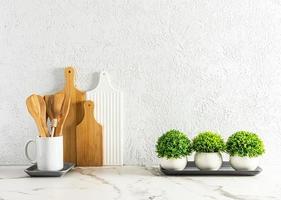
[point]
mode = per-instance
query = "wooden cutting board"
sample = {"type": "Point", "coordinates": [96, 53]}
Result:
{"type": "Point", "coordinates": [89, 139]}
{"type": "Point", "coordinates": [74, 117]}
{"type": "Point", "coordinates": [109, 112]}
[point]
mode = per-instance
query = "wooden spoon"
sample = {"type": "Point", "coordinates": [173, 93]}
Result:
{"type": "Point", "coordinates": [62, 115]}
{"type": "Point", "coordinates": [54, 106]}
{"type": "Point", "coordinates": [49, 99]}
{"type": "Point", "coordinates": [37, 108]}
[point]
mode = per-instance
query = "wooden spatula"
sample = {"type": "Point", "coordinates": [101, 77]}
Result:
{"type": "Point", "coordinates": [37, 108]}
{"type": "Point", "coordinates": [43, 114]}
{"type": "Point", "coordinates": [49, 99]}
{"type": "Point", "coordinates": [63, 113]}
{"type": "Point", "coordinates": [54, 106]}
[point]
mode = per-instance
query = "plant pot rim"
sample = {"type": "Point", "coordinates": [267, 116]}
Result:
{"type": "Point", "coordinates": [209, 152]}
{"type": "Point", "coordinates": [245, 156]}
{"type": "Point", "coordinates": [173, 158]}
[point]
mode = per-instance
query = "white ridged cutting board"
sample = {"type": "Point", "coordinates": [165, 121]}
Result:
{"type": "Point", "coordinates": [108, 111]}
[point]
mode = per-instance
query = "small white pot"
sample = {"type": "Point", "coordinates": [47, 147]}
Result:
{"type": "Point", "coordinates": [208, 161]}
{"type": "Point", "coordinates": [173, 164]}
{"type": "Point", "coordinates": [244, 163]}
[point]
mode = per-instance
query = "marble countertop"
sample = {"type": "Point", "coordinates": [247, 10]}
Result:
{"type": "Point", "coordinates": [131, 182]}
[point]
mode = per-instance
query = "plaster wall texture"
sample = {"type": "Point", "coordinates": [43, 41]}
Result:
{"type": "Point", "coordinates": [189, 65]}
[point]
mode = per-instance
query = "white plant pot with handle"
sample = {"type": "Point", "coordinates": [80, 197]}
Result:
{"type": "Point", "coordinates": [208, 161]}
{"type": "Point", "coordinates": [173, 163]}
{"type": "Point", "coordinates": [244, 163]}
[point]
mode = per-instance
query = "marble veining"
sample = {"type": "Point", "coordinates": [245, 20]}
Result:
{"type": "Point", "coordinates": [140, 183]}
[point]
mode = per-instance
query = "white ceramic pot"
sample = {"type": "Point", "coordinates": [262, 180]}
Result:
{"type": "Point", "coordinates": [208, 161]}
{"type": "Point", "coordinates": [244, 163]}
{"type": "Point", "coordinates": [173, 164]}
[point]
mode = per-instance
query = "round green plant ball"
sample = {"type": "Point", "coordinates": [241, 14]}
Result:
{"type": "Point", "coordinates": [208, 142]}
{"type": "Point", "coordinates": [243, 143]}
{"type": "Point", "coordinates": [173, 144]}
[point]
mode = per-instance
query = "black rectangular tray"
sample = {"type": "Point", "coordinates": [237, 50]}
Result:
{"type": "Point", "coordinates": [225, 170]}
{"type": "Point", "coordinates": [34, 172]}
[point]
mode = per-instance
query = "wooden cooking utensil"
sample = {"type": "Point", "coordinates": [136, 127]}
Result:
{"type": "Point", "coordinates": [89, 145]}
{"type": "Point", "coordinates": [49, 99]}
{"type": "Point", "coordinates": [58, 101]}
{"type": "Point", "coordinates": [67, 125]}
{"type": "Point", "coordinates": [54, 106]}
{"type": "Point", "coordinates": [62, 115]}
{"type": "Point", "coordinates": [43, 114]}
{"type": "Point", "coordinates": [37, 108]}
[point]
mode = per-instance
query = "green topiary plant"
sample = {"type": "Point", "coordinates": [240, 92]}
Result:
{"type": "Point", "coordinates": [173, 144]}
{"type": "Point", "coordinates": [243, 143]}
{"type": "Point", "coordinates": [208, 142]}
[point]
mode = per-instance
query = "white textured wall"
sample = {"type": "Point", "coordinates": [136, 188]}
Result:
{"type": "Point", "coordinates": [191, 65]}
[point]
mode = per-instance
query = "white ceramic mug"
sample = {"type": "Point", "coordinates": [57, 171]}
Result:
{"type": "Point", "coordinates": [49, 153]}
